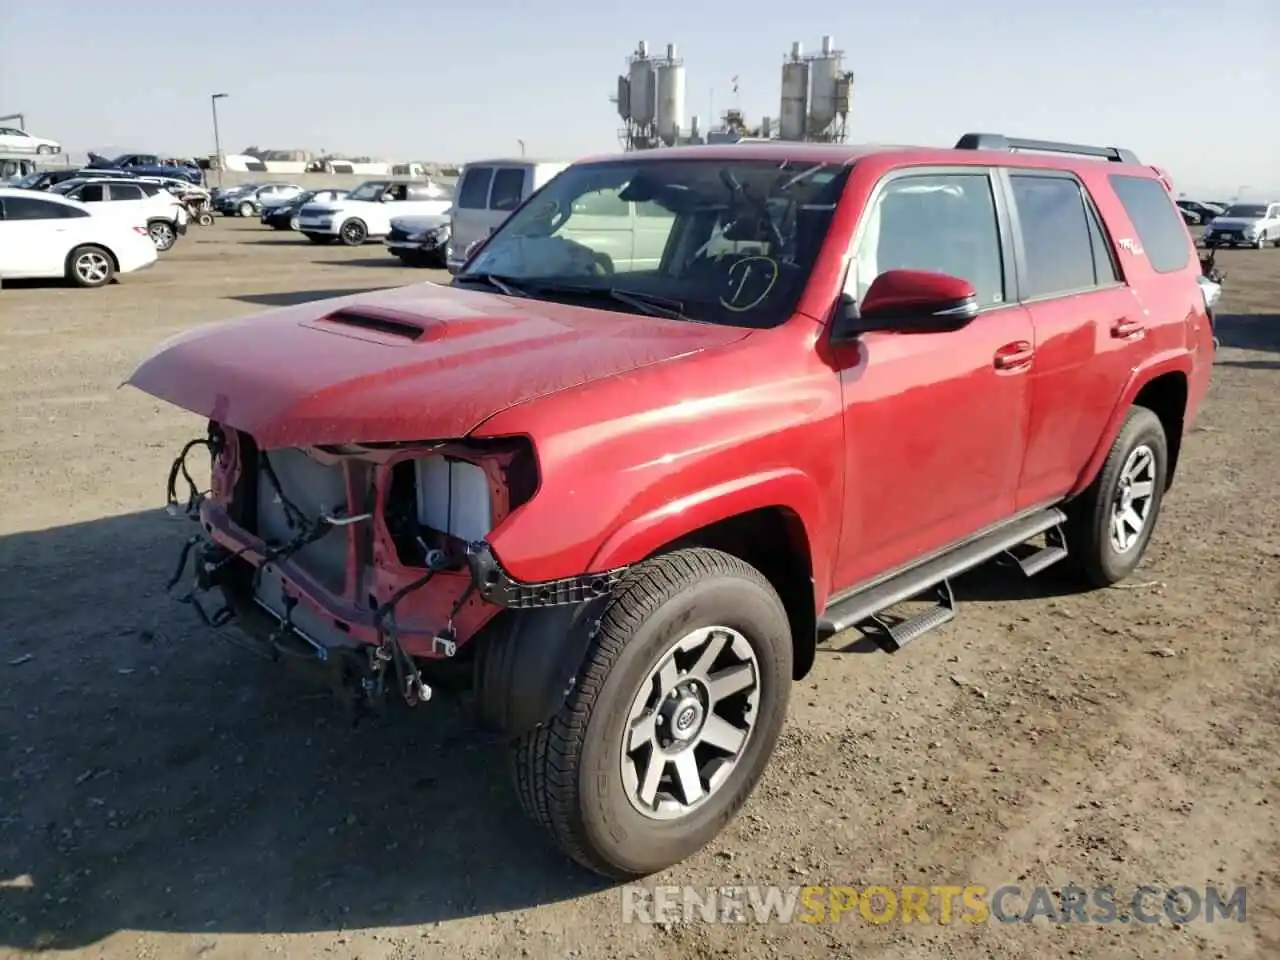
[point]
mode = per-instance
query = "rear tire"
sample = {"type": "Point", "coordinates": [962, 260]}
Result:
{"type": "Point", "coordinates": [90, 266]}
{"type": "Point", "coordinates": [580, 774]}
{"type": "Point", "coordinates": [1110, 525]}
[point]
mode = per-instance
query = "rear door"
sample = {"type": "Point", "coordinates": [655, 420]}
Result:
{"type": "Point", "coordinates": [1088, 324]}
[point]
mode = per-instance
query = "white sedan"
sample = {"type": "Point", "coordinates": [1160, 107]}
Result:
{"type": "Point", "coordinates": [17, 140]}
{"type": "Point", "coordinates": [45, 235]}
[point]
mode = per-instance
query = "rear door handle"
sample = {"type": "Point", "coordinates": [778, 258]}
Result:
{"type": "Point", "coordinates": [1125, 329]}
{"type": "Point", "coordinates": [1014, 356]}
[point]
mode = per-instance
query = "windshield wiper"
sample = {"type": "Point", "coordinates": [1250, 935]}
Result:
{"type": "Point", "coordinates": [502, 284]}
{"type": "Point", "coordinates": [647, 303]}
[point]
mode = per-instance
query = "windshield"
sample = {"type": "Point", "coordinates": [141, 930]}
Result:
{"type": "Point", "coordinates": [370, 190]}
{"type": "Point", "coordinates": [721, 241]}
{"type": "Point", "coordinates": [29, 181]}
{"type": "Point", "coordinates": [1252, 210]}
{"type": "Point", "coordinates": [65, 186]}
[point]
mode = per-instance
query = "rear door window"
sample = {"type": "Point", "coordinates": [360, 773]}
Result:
{"type": "Point", "coordinates": [473, 193]}
{"type": "Point", "coordinates": [1161, 231]}
{"type": "Point", "coordinates": [1057, 240]}
{"type": "Point", "coordinates": [125, 191]}
{"type": "Point", "coordinates": [91, 193]}
{"type": "Point", "coordinates": [508, 189]}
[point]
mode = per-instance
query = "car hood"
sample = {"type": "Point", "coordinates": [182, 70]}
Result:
{"type": "Point", "coordinates": [344, 370]}
{"type": "Point", "coordinates": [1235, 223]}
{"type": "Point", "coordinates": [424, 221]}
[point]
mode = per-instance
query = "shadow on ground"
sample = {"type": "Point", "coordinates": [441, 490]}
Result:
{"type": "Point", "coordinates": [158, 779]}
{"type": "Point", "coordinates": [1249, 332]}
{"type": "Point", "coordinates": [292, 298]}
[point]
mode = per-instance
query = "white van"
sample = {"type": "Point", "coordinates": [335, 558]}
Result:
{"type": "Point", "coordinates": [487, 192]}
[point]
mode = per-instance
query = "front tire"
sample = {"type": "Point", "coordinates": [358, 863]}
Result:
{"type": "Point", "coordinates": [676, 711]}
{"type": "Point", "coordinates": [1110, 525]}
{"type": "Point", "coordinates": [246, 209]}
{"type": "Point", "coordinates": [353, 232]}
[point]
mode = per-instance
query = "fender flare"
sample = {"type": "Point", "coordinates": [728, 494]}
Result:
{"type": "Point", "coordinates": [529, 662]}
{"type": "Point", "coordinates": [788, 488]}
{"type": "Point", "coordinates": [1156, 366]}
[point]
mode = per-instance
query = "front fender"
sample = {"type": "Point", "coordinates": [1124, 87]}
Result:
{"type": "Point", "coordinates": [638, 537]}
{"type": "Point", "coordinates": [1167, 362]}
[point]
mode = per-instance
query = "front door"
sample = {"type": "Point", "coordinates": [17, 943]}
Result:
{"type": "Point", "coordinates": [935, 423]}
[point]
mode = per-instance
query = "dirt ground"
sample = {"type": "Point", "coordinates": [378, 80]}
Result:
{"type": "Point", "coordinates": [165, 795]}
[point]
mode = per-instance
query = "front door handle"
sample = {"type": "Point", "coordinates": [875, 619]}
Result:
{"type": "Point", "coordinates": [1125, 329]}
{"type": "Point", "coordinates": [1014, 356]}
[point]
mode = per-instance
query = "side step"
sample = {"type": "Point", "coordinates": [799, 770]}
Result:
{"type": "Point", "coordinates": [867, 603]}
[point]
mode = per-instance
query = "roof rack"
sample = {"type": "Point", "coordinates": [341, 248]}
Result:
{"type": "Point", "coordinates": [997, 141]}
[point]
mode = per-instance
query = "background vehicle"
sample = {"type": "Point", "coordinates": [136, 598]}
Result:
{"type": "Point", "coordinates": [17, 140]}
{"type": "Point", "coordinates": [1244, 224]}
{"type": "Point", "coordinates": [488, 190]}
{"type": "Point", "coordinates": [248, 200]}
{"type": "Point", "coordinates": [149, 164]}
{"type": "Point", "coordinates": [632, 493]}
{"type": "Point", "coordinates": [284, 214]}
{"type": "Point", "coordinates": [46, 235]}
{"type": "Point", "coordinates": [420, 241]}
{"type": "Point", "coordinates": [14, 169]}
{"type": "Point", "coordinates": [146, 202]}
{"type": "Point", "coordinates": [1203, 212]}
{"type": "Point", "coordinates": [365, 213]}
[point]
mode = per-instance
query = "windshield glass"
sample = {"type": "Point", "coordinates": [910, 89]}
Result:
{"type": "Point", "coordinates": [29, 181]}
{"type": "Point", "coordinates": [721, 241]}
{"type": "Point", "coordinates": [370, 190]}
{"type": "Point", "coordinates": [1255, 210]}
{"type": "Point", "coordinates": [65, 186]}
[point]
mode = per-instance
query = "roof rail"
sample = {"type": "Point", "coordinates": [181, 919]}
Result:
{"type": "Point", "coordinates": [997, 141]}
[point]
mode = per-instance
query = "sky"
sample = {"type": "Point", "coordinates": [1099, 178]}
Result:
{"type": "Point", "coordinates": [1190, 85]}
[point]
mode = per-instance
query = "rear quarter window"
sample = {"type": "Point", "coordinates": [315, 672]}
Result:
{"type": "Point", "coordinates": [1160, 228]}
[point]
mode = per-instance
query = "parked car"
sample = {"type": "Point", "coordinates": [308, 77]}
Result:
{"type": "Point", "coordinates": [248, 201]}
{"type": "Point", "coordinates": [284, 215]}
{"type": "Point", "coordinates": [149, 164]}
{"type": "Point", "coordinates": [17, 140]}
{"type": "Point", "coordinates": [1202, 212]}
{"type": "Point", "coordinates": [1244, 225]}
{"type": "Point", "coordinates": [365, 213]}
{"type": "Point", "coordinates": [15, 169]}
{"type": "Point", "coordinates": [148, 203]}
{"type": "Point", "coordinates": [420, 241]}
{"type": "Point", "coordinates": [47, 235]}
{"type": "Point", "coordinates": [488, 191]}
{"type": "Point", "coordinates": [633, 501]}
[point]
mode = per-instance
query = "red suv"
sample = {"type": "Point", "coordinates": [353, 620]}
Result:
{"type": "Point", "coordinates": [686, 413]}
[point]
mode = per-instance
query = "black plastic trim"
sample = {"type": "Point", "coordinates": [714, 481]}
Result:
{"type": "Point", "coordinates": [498, 587]}
{"type": "Point", "coordinates": [999, 142]}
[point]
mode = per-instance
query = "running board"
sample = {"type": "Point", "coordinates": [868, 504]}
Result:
{"type": "Point", "coordinates": [865, 604]}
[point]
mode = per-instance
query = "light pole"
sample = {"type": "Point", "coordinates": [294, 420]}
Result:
{"type": "Point", "coordinates": [217, 142]}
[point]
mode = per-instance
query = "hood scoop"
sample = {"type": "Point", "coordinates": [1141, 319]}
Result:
{"type": "Point", "coordinates": [378, 325]}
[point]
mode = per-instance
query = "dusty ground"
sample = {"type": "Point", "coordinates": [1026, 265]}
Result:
{"type": "Point", "coordinates": [164, 795]}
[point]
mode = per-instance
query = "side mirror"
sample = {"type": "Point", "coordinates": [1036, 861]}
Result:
{"type": "Point", "coordinates": [908, 301]}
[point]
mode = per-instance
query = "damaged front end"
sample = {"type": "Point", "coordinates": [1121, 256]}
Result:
{"type": "Point", "coordinates": [370, 558]}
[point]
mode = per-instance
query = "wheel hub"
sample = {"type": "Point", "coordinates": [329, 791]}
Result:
{"type": "Point", "coordinates": [682, 715]}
